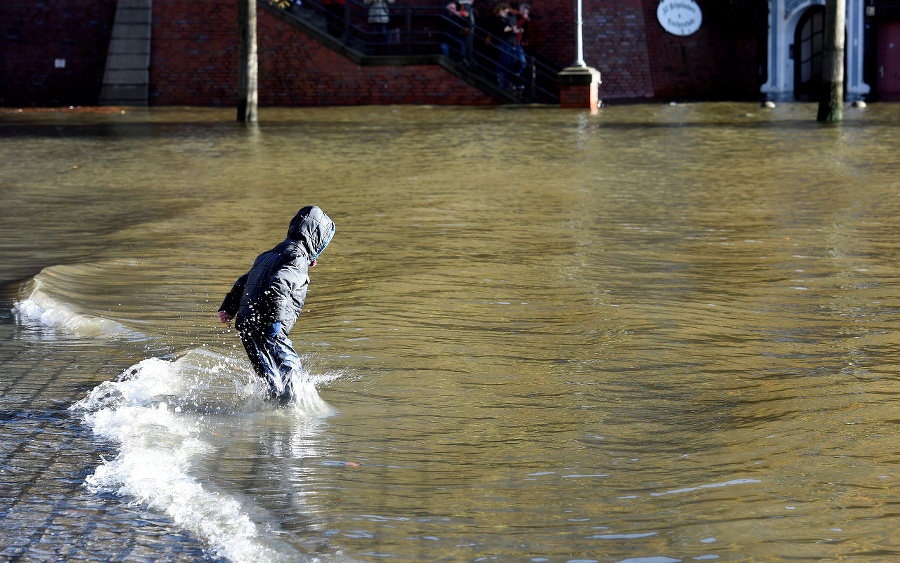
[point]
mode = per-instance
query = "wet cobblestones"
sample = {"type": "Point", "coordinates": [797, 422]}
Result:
{"type": "Point", "coordinates": [46, 452]}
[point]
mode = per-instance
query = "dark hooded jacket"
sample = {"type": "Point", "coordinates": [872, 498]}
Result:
{"type": "Point", "coordinates": [274, 289]}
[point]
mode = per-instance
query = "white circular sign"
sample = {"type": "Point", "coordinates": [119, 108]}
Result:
{"type": "Point", "coordinates": [679, 17]}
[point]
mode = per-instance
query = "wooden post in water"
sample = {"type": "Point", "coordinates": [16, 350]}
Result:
{"type": "Point", "coordinates": [831, 99]}
{"type": "Point", "coordinates": [248, 66]}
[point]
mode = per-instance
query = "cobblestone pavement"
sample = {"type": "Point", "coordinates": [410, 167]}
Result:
{"type": "Point", "coordinates": [46, 452]}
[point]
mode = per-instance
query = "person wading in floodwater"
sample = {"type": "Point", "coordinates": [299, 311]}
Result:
{"type": "Point", "coordinates": [266, 301]}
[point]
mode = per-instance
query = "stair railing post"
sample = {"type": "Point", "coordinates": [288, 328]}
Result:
{"type": "Point", "coordinates": [533, 76]}
{"type": "Point", "coordinates": [408, 31]}
{"type": "Point", "coordinates": [345, 37]}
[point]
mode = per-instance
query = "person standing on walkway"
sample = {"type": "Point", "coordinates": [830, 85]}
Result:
{"type": "Point", "coordinates": [267, 300]}
{"type": "Point", "coordinates": [511, 58]}
{"type": "Point", "coordinates": [453, 28]}
{"type": "Point", "coordinates": [379, 17]}
{"type": "Point", "coordinates": [467, 11]}
{"type": "Point", "coordinates": [524, 23]}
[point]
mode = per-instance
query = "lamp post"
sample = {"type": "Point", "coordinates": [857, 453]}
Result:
{"type": "Point", "coordinates": [579, 49]}
{"type": "Point", "coordinates": [579, 83]}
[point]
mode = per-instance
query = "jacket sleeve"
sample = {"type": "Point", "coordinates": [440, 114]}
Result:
{"type": "Point", "coordinates": [286, 294]}
{"type": "Point", "coordinates": [233, 299]}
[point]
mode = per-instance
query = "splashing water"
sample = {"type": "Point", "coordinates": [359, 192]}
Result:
{"type": "Point", "coordinates": [163, 415]}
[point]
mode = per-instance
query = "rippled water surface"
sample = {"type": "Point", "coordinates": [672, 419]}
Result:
{"type": "Point", "coordinates": [658, 333]}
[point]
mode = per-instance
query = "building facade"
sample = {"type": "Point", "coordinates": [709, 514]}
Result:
{"type": "Point", "coordinates": [53, 54]}
{"type": "Point", "coordinates": [796, 44]}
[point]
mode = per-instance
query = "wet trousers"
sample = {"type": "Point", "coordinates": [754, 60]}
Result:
{"type": "Point", "coordinates": [273, 359]}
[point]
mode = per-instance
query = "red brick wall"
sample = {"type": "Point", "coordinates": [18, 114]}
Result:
{"type": "Point", "coordinates": [552, 29]}
{"type": "Point", "coordinates": [720, 60]}
{"type": "Point", "coordinates": [33, 34]}
{"type": "Point", "coordinates": [194, 58]}
{"type": "Point", "coordinates": [615, 43]}
{"type": "Point", "coordinates": [193, 54]}
{"type": "Point", "coordinates": [194, 62]}
{"type": "Point", "coordinates": [579, 97]}
{"type": "Point", "coordinates": [639, 60]}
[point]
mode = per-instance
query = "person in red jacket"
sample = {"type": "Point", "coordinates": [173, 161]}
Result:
{"type": "Point", "coordinates": [524, 24]}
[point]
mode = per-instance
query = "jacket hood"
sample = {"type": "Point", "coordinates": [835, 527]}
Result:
{"type": "Point", "coordinates": [312, 230]}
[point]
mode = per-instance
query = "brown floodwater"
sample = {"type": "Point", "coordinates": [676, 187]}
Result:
{"type": "Point", "coordinates": [659, 333]}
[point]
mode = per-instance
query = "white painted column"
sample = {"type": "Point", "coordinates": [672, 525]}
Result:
{"type": "Point", "coordinates": [854, 85]}
{"type": "Point", "coordinates": [775, 83]}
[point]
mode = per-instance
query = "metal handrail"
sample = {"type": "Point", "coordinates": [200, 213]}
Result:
{"type": "Point", "coordinates": [422, 30]}
{"type": "Point", "coordinates": [539, 78]}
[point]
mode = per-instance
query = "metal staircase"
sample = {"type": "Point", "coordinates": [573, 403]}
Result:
{"type": "Point", "coordinates": [416, 36]}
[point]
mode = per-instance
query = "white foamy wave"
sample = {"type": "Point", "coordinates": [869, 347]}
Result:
{"type": "Point", "coordinates": [152, 468]}
{"type": "Point", "coordinates": [163, 416]}
{"type": "Point", "coordinates": [42, 310]}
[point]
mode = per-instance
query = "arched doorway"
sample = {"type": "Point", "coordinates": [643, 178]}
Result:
{"type": "Point", "coordinates": [787, 20]}
{"type": "Point", "coordinates": [809, 45]}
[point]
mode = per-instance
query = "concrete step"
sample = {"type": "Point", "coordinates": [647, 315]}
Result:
{"type": "Point", "coordinates": [127, 76]}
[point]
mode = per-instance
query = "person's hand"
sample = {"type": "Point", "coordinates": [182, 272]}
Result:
{"type": "Point", "coordinates": [225, 318]}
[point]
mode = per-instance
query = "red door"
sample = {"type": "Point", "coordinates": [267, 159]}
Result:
{"type": "Point", "coordinates": [889, 57]}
